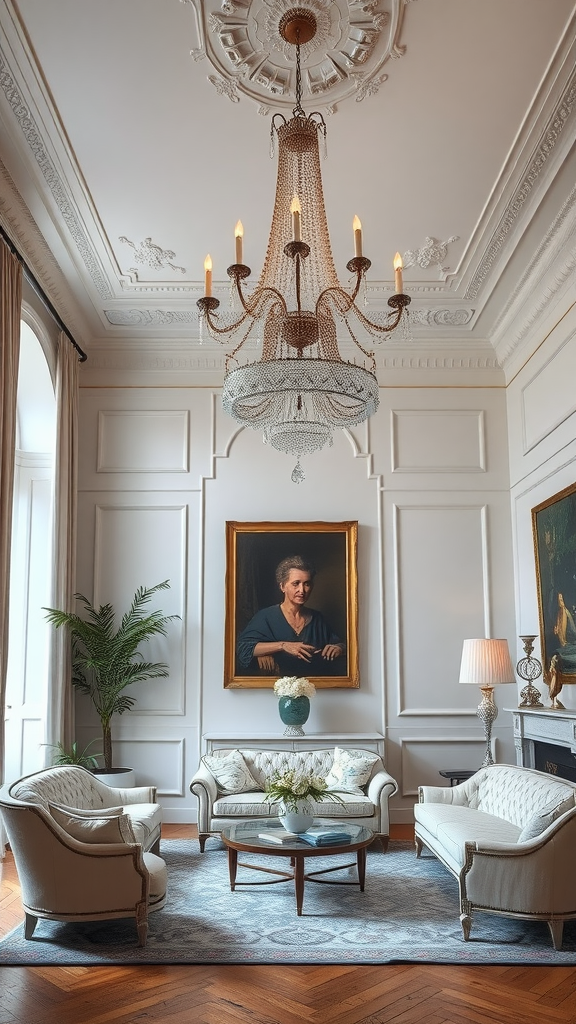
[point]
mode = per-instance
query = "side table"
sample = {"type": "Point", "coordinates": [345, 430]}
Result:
{"type": "Point", "coordinates": [457, 775]}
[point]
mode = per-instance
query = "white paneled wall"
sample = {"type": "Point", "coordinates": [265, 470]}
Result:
{"type": "Point", "coordinates": [163, 469]}
{"type": "Point", "coordinates": [542, 438]}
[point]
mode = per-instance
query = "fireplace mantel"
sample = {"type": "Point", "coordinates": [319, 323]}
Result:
{"type": "Point", "coordinates": [542, 725]}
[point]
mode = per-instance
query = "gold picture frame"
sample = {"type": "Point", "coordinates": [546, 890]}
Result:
{"type": "Point", "coordinates": [253, 553]}
{"type": "Point", "coordinates": [554, 534]}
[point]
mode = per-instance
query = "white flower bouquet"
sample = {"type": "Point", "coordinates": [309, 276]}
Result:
{"type": "Point", "coordinates": [291, 787]}
{"type": "Point", "coordinates": [294, 686]}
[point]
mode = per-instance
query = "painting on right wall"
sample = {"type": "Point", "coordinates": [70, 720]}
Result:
{"type": "Point", "coordinates": [554, 531]}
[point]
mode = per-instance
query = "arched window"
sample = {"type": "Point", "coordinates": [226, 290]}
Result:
{"type": "Point", "coordinates": [31, 558]}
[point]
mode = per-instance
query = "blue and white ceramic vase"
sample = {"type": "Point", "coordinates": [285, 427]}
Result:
{"type": "Point", "coordinates": [297, 818]}
{"type": "Point", "coordinates": [294, 712]}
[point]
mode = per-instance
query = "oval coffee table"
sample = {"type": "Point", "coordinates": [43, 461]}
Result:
{"type": "Point", "coordinates": [243, 838]}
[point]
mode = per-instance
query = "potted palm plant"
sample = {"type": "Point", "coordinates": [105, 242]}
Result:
{"type": "Point", "coordinates": [106, 660]}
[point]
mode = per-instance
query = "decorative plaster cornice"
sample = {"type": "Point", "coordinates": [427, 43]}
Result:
{"type": "Point", "coordinates": [441, 317]}
{"type": "Point", "coordinates": [35, 143]}
{"type": "Point", "coordinates": [452, 318]}
{"type": "Point", "coordinates": [150, 317]}
{"type": "Point", "coordinates": [523, 191]}
{"type": "Point", "coordinates": [23, 229]}
{"type": "Point", "coordinates": [353, 41]}
{"type": "Point", "coordinates": [530, 299]}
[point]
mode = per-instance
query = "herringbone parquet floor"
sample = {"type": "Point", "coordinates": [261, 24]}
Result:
{"type": "Point", "coordinates": [277, 995]}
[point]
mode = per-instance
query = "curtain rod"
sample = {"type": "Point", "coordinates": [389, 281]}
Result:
{"type": "Point", "coordinates": [42, 294]}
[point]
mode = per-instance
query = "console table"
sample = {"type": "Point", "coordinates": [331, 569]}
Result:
{"type": "Point", "coordinates": [545, 739]}
{"type": "Point", "coordinates": [311, 741]}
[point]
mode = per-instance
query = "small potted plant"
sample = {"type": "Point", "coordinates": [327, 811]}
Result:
{"type": "Point", "coordinates": [106, 659]}
{"type": "Point", "coordinates": [74, 755]}
{"type": "Point", "coordinates": [294, 791]}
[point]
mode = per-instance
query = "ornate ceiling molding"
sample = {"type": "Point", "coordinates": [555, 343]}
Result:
{"type": "Point", "coordinates": [353, 41]}
{"type": "Point", "coordinates": [553, 131]}
{"type": "Point", "coordinates": [455, 318]}
{"type": "Point", "coordinates": [35, 142]}
{"type": "Point", "coordinates": [151, 255]}
{"type": "Point", "coordinates": [431, 254]}
{"type": "Point", "coordinates": [22, 228]}
{"type": "Point", "coordinates": [553, 264]}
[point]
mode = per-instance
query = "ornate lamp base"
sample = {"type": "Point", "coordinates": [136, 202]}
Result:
{"type": "Point", "coordinates": [487, 713]}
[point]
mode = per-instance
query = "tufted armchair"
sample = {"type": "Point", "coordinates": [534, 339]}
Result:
{"type": "Point", "coordinates": [80, 864]}
{"type": "Point", "coordinates": [218, 806]}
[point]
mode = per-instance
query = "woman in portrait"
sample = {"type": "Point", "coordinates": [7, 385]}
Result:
{"type": "Point", "coordinates": [289, 638]}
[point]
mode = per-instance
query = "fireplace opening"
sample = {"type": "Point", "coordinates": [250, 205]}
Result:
{"type": "Point", "coordinates": [555, 760]}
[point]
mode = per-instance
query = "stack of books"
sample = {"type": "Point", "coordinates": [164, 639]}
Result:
{"type": "Point", "coordinates": [318, 836]}
{"type": "Point", "coordinates": [279, 835]}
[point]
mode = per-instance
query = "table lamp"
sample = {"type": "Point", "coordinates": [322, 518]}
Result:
{"type": "Point", "coordinates": [486, 663]}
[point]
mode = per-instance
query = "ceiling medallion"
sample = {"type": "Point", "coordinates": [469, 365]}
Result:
{"type": "Point", "coordinates": [245, 44]}
{"type": "Point", "coordinates": [300, 389]}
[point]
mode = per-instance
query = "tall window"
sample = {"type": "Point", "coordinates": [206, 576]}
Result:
{"type": "Point", "coordinates": [30, 573]}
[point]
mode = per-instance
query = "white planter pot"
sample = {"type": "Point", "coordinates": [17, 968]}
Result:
{"type": "Point", "coordinates": [299, 820]}
{"type": "Point", "coordinates": [117, 778]}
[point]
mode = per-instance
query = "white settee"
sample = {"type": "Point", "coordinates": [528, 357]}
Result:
{"type": "Point", "coordinates": [508, 834]}
{"type": "Point", "coordinates": [82, 849]}
{"type": "Point", "coordinates": [238, 790]}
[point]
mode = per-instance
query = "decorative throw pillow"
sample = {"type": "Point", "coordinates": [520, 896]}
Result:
{"type": "Point", "coordinates": [543, 818]}
{"type": "Point", "coordinates": [115, 829]}
{"type": "Point", "coordinates": [231, 773]}
{"type": "Point", "coordinates": [351, 770]}
{"type": "Point", "coordinates": [81, 812]}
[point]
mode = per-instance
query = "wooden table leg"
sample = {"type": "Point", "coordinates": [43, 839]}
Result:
{"type": "Point", "coordinates": [361, 862]}
{"type": "Point", "coordinates": [232, 865]}
{"type": "Point", "coordinates": [299, 883]}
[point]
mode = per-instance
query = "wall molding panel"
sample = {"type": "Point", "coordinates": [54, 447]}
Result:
{"type": "Point", "coordinates": [127, 535]}
{"type": "Point", "coordinates": [438, 441]}
{"type": "Point", "coordinates": [409, 759]}
{"type": "Point", "coordinates": [442, 587]}
{"type": "Point", "coordinates": [143, 441]}
{"type": "Point", "coordinates": [159, 758]}
{"type": "Point", "coordinates": [549, 397]}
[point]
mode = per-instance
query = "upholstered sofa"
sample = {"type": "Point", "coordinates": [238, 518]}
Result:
{"type": "Point", "coordinates": [230, 785]}
{"type": "Point", "coordinates": [82, 849]}
{"type": "Point", "coordinates": [508, 834]}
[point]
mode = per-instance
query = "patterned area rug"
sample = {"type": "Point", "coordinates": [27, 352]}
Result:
{"type": "Point", "coordinates": [408, 913]}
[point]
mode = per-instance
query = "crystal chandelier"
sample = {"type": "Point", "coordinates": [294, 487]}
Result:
{"type": "Point", "coordinates": [300, 389]}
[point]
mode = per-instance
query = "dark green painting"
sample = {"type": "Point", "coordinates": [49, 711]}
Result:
{"type": "Point", "coordinates": [554, 528]}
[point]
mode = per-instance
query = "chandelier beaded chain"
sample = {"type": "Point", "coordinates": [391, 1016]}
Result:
{"type": "Point", "coordinates": [301, 388]}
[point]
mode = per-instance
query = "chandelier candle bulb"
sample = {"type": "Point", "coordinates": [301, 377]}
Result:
{"type": "Point", "coordinates": [357, 227]}
{"type": "Point", "coordinates": [398, 282]}
{"type": "Point", "coordinates": [296, 210]}
{"type": "Point", "coordinates": [208, 276]}
{"type": "Point", "coordinates": [238, 235]}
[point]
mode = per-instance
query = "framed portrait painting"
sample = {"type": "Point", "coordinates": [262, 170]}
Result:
{"type": "Point", "coordinates": [554, 530]}
{"type": "Point", "coordinates": [291, 603]}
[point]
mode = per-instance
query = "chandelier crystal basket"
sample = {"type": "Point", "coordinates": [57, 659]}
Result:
{"type": "Point", "coordinates": [300, 389]}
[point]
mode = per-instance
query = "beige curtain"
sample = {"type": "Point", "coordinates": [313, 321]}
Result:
{"type": "Point", "coordinates": [60, 723]}
{"type": "Point", "coordinates": [10, 311]}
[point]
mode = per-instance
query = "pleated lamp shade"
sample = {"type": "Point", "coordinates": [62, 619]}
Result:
{"type": "Point", "coordinates": [486, 663]}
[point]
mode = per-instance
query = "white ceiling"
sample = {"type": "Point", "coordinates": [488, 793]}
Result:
{"type": "Point", "coordinates": [110, 130]}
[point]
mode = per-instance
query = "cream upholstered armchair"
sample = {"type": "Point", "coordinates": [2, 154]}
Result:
{"type": "Point", "coordinates": [103, 875]}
